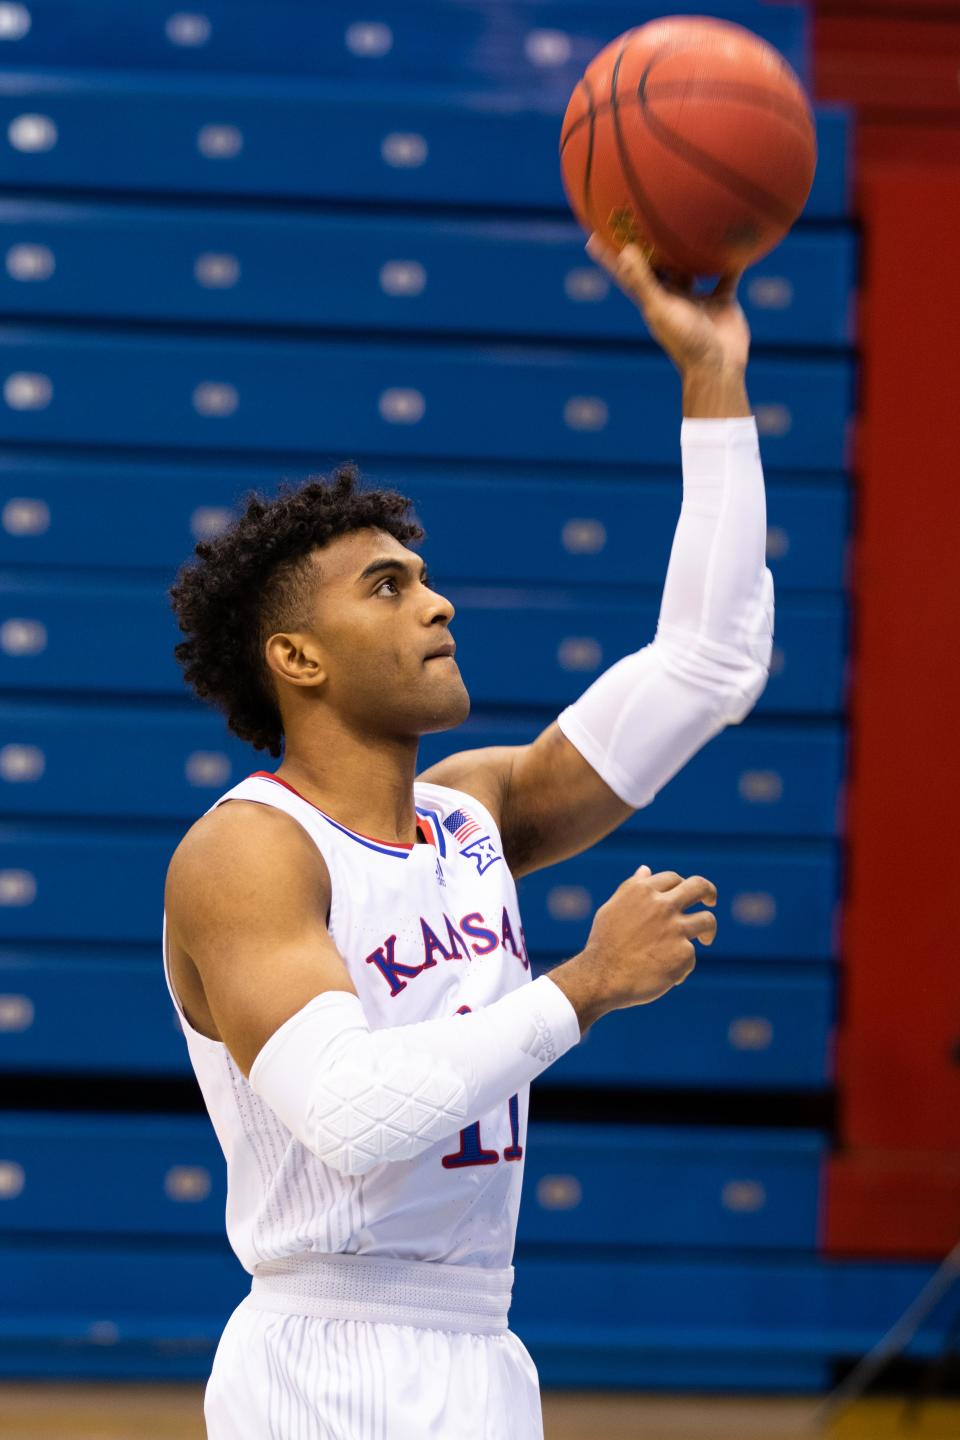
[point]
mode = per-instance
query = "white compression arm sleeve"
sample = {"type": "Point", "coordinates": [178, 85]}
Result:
{"type": "Point", "coordinates": [358, 1097]}
{"type": "Point", "coordinates": [642, 719]}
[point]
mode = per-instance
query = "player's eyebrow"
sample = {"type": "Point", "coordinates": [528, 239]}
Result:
{"type": "Point", "coordinates": [390, 563]}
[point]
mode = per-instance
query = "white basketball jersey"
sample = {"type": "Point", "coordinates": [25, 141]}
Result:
{"type": "Point", "coordinates": [426, 930]}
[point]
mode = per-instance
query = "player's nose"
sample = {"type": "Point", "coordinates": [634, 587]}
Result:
{"type": "Point", "coordinates": [440, 609]}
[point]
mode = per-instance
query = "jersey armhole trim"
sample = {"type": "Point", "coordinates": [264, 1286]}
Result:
{"type": "Point", "coordinates": [177, 1003]}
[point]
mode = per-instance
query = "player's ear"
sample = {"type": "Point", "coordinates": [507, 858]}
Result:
{"type": "Point", "coordinates": [296, 657]}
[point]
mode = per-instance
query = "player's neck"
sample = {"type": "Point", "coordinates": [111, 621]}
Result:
{"type": "Point", "coordinates": [364, 781]}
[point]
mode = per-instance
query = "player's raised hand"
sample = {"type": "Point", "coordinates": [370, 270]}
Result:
{"type": "Point", "coordinates": [640, 943]}
{"type": "Point", "coordinates": [696, 331]}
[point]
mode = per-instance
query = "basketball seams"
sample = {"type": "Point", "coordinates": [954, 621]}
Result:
{"type": "Point", "coordinates": [593, 108]}
{"type": "Point", "coordinates": [707, 164]}
{"type": "Point", "coordinates": [713, 90]}
{"type": "Point", "coordinates": [580, 121]}
{"type": "Point", "coordinates": [588, 167]}
{"type": "Point", "coordinates": [713, 142]}
{"type": "Point", "coordinates": [655, 226]}
{"type": "Point", "coordinates": [736, 90]}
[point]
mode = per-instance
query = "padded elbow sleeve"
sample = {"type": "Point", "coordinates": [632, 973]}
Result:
{"type": "Point", "coordinates": [644, 718]}
{"type": "Point", "coordinates": [735, 670]}
{"type": "Point", "coordinates": [358, 1097]}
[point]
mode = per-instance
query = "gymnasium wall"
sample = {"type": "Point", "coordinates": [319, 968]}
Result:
{"type": "Point", "coordinates": [894, 1179]}
{"type": "Point", "coordinates": [245, 242]}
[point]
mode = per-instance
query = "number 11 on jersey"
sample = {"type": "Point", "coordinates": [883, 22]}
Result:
{"type": "Point", "coordinates": [471, 1150]}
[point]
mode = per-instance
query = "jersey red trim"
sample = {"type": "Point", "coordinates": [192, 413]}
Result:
{"type": "Point", "coordinates": [397, 844]}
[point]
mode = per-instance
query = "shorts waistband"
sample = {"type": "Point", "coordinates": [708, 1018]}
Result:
{"type": "Point", "coordinates": [396, 1292]}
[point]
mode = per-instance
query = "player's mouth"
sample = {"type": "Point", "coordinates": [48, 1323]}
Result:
{"type": "Point", "coordinates": [442, 652]}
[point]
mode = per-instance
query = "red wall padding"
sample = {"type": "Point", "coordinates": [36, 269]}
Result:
{"type": "Point", "coordinates": [889, 63]}
{"type": "Point", "coordinates": [892, 1203]}
{"type": "Point", "coordinates": [899, 1044]}
{"type": "Point", "coordinates": [901, 1021]}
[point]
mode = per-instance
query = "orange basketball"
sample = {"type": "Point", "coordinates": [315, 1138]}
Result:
{"type": "Point", "coordinates": [692, 137]}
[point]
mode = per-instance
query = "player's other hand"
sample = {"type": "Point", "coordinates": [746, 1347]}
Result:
{"type": "Point", "coordinates": [697, 331]}
{"type": "Point", "coordinates": [641, 941]}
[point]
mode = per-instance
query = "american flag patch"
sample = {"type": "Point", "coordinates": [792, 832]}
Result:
{"type": "Point", "coordinates": [461, 825]}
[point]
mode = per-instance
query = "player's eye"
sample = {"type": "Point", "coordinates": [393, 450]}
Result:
{"type": "Point", "coordinates": [391, 580]}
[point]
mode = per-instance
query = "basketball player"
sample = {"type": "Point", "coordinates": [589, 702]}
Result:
{"type": "Point", "coordinates": [342, 938]}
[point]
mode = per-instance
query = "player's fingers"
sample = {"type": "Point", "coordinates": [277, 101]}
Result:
{"type": "Point", "coordinates": [665, 879]}
{"type": "Point", "coordinates": [601, 252]}
{"type": "Point", "coordinates": [632, 281]}
{"type": "Point", "coordinates": [631, 270]}
{"type": "Point", "coordinates": [636, 271]}
{"type": "Point", "coordinates": [696, 889]}
{"type": "Point", "coordinates": [701, 925]}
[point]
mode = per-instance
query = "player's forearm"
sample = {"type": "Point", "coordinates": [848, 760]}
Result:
{"type": "Point", "coordinates": [714, 392]}
{"type": "Point", "coordinates": [358, 1097]}
{"type": "Point", "coordinates": [650, 712]}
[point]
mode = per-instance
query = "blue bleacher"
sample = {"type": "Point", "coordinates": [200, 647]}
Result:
{"type": "Point", "coordinates": [250, 243]}
{"type": "Point", "coordinates": [775, 902]}
{"type": "Point", "coordinates": [779, 779]}
{"type": "Point", "coordinates": [337, 271]}
{"type": "Point", "coordinates": [163, 1175]}
{"type": "Point", "coordinates": [735, 1027]}
{"type": "Point", "coordinates": [257, 137]}
{"type": "Point", "coordinates": [729, 1027]}
{"type": "Point", "coordinates": [416, 399]}
{"type": "Point", "coordinates": [59, 633]}
{"type": "Point", "coordinates": [51, 506]}
{"type": "Point", "coordinates": [727, 1322]}
{"type": "Point", "coordinates": [538, 46]}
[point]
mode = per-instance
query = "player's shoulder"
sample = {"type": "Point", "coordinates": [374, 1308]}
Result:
{"type": "Point", "coordinates": [242, 868]}
{"type": "Point", "coordinates": [237, 837]}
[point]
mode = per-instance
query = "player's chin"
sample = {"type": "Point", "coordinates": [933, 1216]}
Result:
{"type": "Point", "coordinates": [447, 704]}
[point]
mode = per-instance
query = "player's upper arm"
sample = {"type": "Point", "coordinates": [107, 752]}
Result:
{"type": "Point", "coordinates": [247, 897]}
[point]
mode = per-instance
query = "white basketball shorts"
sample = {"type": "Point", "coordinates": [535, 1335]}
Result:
{"type": "Point", "coordinates": [293, 1363]}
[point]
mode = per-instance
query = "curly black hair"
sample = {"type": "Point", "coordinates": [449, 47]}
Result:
{"type": "Point", "coordinates": [253, 580]}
